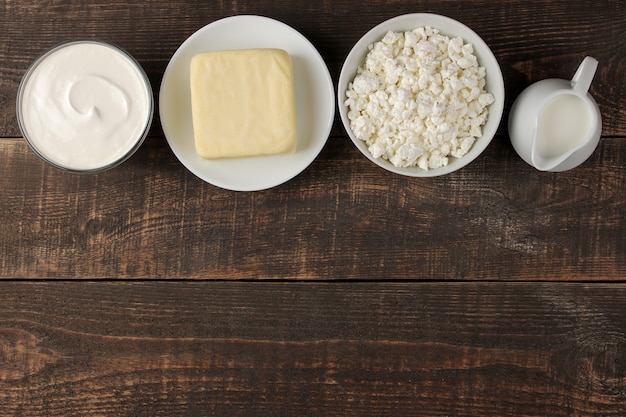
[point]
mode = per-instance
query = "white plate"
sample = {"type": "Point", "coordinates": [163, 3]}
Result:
{"type": "Point", "coordinates": [315, 102]}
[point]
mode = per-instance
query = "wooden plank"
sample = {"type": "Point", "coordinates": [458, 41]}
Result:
{"type": "Point", "coordinates": [531, 39]}
{"type": "Point", "coordinates": [336, 349]}
{"type": "Point", "coordinates": [342, 217]}
{"type": "Point", "coordinates": [495, 220]}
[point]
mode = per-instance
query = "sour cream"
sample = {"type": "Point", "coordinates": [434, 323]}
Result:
{"type": "Point", "coordinates": [85, 106]}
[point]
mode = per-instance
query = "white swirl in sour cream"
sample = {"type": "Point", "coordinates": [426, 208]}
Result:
{"type": "Point", "coordinates": [85, 106]}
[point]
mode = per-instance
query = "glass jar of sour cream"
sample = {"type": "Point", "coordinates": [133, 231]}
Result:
{"type": "Point", "coordinates": [85, 106]}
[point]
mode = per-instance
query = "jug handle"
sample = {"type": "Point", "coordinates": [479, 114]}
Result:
{"type": "Point", "coordinates": [584, 75]}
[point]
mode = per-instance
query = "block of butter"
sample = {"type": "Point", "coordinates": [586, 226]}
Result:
{"type": "Point", "coordinates": [243, 103]}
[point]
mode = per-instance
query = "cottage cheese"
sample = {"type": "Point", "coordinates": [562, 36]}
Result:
{"type": "Point", "coordinates": [419, 98]}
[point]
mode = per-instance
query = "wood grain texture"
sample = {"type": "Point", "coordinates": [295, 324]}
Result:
{"type": "Point", "coordinates": [342, 218]}
{"type": "Point", "coordinates": [531, 39]}
{"type": "Point", "coordinates": [311, 349]}
{"type": "Point", "coordinates": [497, 290]}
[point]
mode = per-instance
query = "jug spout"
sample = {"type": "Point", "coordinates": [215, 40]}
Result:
{"type": "Point", "coordinates": [565, 124]}
{"type": "Point", "coordinates": [584, 75]}
{"type": "Point", "coordinates": [546, 162]}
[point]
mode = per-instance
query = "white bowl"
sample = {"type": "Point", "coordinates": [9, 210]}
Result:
{"type": "Point", "coordinates": [450, 28]}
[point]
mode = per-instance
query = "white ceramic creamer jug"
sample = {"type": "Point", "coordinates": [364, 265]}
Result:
{"type": "Point", "coordinates": [555, 124]}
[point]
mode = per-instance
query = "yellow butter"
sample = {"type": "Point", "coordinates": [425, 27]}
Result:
{"type": "Point", "coordinates": [243, 103]}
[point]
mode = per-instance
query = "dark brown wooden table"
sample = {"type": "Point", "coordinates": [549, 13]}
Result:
{"type": "Point", "coordinates": [497, 290]}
